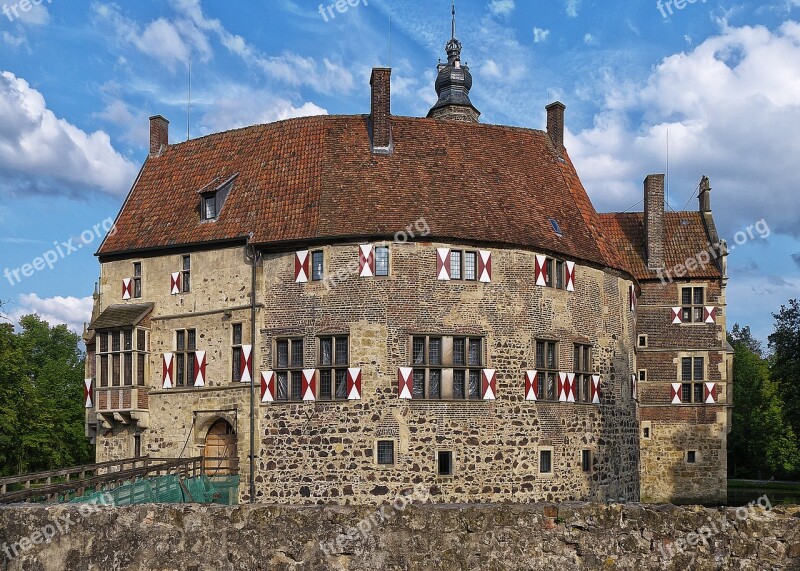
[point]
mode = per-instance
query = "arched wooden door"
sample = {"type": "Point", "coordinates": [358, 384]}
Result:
{"type": "Point", "coordinates": [221, 457]}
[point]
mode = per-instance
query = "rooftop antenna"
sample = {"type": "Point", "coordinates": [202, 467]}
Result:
{"type": "Point", "coordinates": [667, 168]}
{"type": "Point", "coordinates": [189, 100]}
{"type": "Point", "coordinates": [454, 20]}
{"type": "Point", "coordinates": [390, 40]}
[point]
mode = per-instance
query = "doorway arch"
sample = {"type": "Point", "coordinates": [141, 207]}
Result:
{"type": "Point", "coordinates": [220, 453]}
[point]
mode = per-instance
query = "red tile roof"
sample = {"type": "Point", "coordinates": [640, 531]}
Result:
{"type": "Point", "coordinates": [316, 178]}
{"type": "Point", "coordinates": [684, 239]}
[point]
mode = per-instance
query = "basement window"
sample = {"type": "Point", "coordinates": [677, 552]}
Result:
{"type": "Point", "coordinates": [385, 452]}
{"type": "Point", "coordinates": [212, 198]}
{"type": "Point", "coordinates": [444, 463]}
{"type": "Point", "coordinates": [691, 457]}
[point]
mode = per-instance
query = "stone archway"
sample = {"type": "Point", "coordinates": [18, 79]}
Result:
{"type": "Point", "coordinates": [220, 451]}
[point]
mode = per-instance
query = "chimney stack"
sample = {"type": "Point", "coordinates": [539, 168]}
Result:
{"type": "Point", "coordinates": [555, 126]}
{"type": "Point", "coordinates": [705, 194]}
{"type": "Point", "coordinates": [654, 220]}
{"type": "Point", "coordinates": [159, 135]}
{"type": "Point", "coordinates": [381, 109]}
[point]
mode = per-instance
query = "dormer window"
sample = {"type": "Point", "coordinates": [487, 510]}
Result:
{"type": "Point", "coordinates": [212, 198]}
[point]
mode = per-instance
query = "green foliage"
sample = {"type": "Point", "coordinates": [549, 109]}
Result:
{"type": "Point", "coordinates": [41, 398]}
{"type": "Point", "coordinates": [785, 344]}
{"type": "Point", "coordinates": [761, 443]}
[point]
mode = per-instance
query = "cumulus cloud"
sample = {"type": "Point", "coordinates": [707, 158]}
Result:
{"type": "Point", "coordinates": [501, 7]}
{"type": "Point", "coordinates": [571, 7]}
{"type": "Point", "coordinates": [43, 153]}
{"type": "Point", "coordinates": [540, 35]}
{"type": "Point", "coordinates": [589, 39]}
{"type": "Point", "coordinates": [730, 107]}
{"type": "Point", "coordinates": [70, 311]}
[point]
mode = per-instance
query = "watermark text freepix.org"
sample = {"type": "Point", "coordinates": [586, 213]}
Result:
{"type": "Point", "coordinates": [62, 249]}
{"type": "Point", "coordinates": [341, 6]}
{"type": "Point", "coordinates": [665, 6]}
{"type": "Point", "coordinates": [23, 6]}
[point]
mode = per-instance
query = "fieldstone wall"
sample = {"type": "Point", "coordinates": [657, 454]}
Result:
{"type": "Point", "coordinates": [402, 535]}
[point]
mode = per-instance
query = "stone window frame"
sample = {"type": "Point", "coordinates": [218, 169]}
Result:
{"type": "Point", "coordinates": [314, 277]}
{"type": "Point", "coordinates": [462, 264]}
{"type": "Point", "coordinates": [694, 310]}
{"type": "Point", "coordinates": [111, 344]}
{"type": "Point", "coordinates": [137, 279]}
{"type": "Point", "coordinates": [641, 375]}
{"type": "Point", "coordinates": [591, 451]}
{"type": "Point", "coordinates": [236, 351]}
{"type": "Point", "coordinates": [696, 386]}
{"type": "Point", "coordinates": [395, 450]}
{"type": "Point", "coordinates": [544, 371]}
{"type": "Point", "coordinates": [338, 371]}
{"type": "Point", "coordinates": [696, 454]}
{"type": "Point", "coordinates": [386, 247]}
{"type": "Point", "coordinates": [647, 430]}
{"type": "Point", "coordinates": [185, 354]}
{"type": "Point", "coordinates": [554, 273]}
{"type": "Point", "coordinates": [583, 376]}
{"type": "Point", "coordinates": [186, 273]}
{"type": "Point", "coordinates": [452, 472]}
{"type": "Point", "coordinates": [292, 370]}
{"type": "Point", "coordinates": [641, 341]}
{"type": "Point", "coordinates": [447, 367]}
{"type": "Point", "coordinates": [552, 472]}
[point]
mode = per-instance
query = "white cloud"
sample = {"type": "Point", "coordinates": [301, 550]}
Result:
{"type": "Point", "coordinates": [37, 145]}
{"type": "Point", "coordinates": [501, 7]}
{"type": "Point", "coordinates": [730, 106]}
{"type": "Point", "coordinates": [36, 15]}
{"type": "Point", "coordinates": [12, 40]}
{"type": "Point", "coordinates": [71, 311]}
{"type": "Point", "coordinates": [589, 39]}
{"type": "Point", "coordinates": [540, 35]}
{"type": "Point", "coordinates": [571, 6]}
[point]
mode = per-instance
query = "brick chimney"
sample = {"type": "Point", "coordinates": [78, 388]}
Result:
{"type": "Point", "coordinates": [705, 194]}
{"type": "Point", "coordinates": [555, 126]}
{"type": "Point", "coordinates": [654, 220]}
{"type": "Point", "coordinates": [381, 109]}
{"type": "Point", "coordinates": [159, 135]}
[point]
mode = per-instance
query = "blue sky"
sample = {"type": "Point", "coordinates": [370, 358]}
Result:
{"type": "Point", "coordinates": [721, 81]}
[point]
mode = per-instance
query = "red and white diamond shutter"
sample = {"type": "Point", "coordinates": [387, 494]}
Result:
{"type": "Point", "coordinates": [675, 393]}
{"type": "Point", "coordinates": [710, 391]}
{"type": "Point", "coordinates": [167, 362]}
{"type": "Point", "coordinates": [443, 264]}
{"type": "Point", "coordinates": [632, 294]}
{"type": "Point", "coordinates": [309, 387]}
{"type": "Point", "coordinates": [302, 263]}
{"type": "Point", "coordinates": [405, 382]}
{"type": "Point", "coordinates": [595, 389]}
{"type": "Point", "coordinates": [126, 288]}
{"type": "Point", "coordinates": [267, 386]}
{"type": "Point", "coordinates": [570, 276]}
{"type": "Point", "coordinates": [562, 387]}
{"type": "Point", "coordinates": [489, 384]}
{"type": "Point", "coordinates": [540, 270]}
{"type": "Point", "coordinates": [531, 385]}
{"type": "Point", "coordinates": [199, 368]}
{"type": "Point", "coordinates": [175, 283]}
{"type": "Point", "coordinates": [366, 261]}
{"type": "Point", "coordinates": [246, 364]}
{"type": "Point", "coordinates": [484, 266]}
{"type": "Point", "coordinates": [676, 316]}
{"type": "Point", "coordinates": [353, 384]}
{"type": "Point", "coordinates": [571, 386]}
{"type": "Point", "coordinates": [88, 393]}
{"type": "Point", "coordinates": [709, 314]}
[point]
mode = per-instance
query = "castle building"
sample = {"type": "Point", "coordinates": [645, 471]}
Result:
{"type": "Point", "coordinates": [342, 308]}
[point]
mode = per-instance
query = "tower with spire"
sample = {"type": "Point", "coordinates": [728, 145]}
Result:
{"type": "Point", "coordinates": [453, 84]}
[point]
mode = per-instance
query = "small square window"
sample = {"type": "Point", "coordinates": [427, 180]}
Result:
{"type": "Point", "coordinates": [385, 452]}
{"type": "Point", "coordinates": [691, 457]}
{"type": "Point", "coordinates": [545, 461]}
{"type": "Point", "coordinates": [642, 341]}
{"type": "Point", "coordinates": [444, 463]}
{"type": "Point", "coordinates": [646, 432]}
{"type": "Point", "coordinates": [586, 460]}
{"type": "Point", "coordinates": [642, 376]}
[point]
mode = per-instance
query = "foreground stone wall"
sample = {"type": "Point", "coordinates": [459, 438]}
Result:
{"type": "Point", "coordinates": [401, 535]}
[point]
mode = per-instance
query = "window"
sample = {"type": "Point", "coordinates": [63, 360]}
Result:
{"type": "Point", "coordinates": [212, 198]}
{"type": "Point", "coordinates": [642, 341]}
{"type": "Point", "coordinates": [185, 346]}
{"type": "Point", "coordinates": [186, 274]}
{"type": "Point", "coordinates": [317, 265]}
{"type": "Point", "coordinates": [545, 461]}
{"type": "Point", "coordinates": [691, 457]}
{"type": "Point", "coordinates": [692, 302]}
{"type": "Point", "coordinates": [548, 272]}
{"type": "Point", "coordinates": [646, 432]}
{"type": "Point", "coordinates": [332, 362]}
{"type": "Point", "coordinates": [547, 367]}
{"type": "Point", "coordinates": [137, 445]}
{"type": "Point", "coordinates": [381, 261]}
{"type": "Point", "coordinates": [642, 376]}
{"type": "Point", "coordinates": [582, 366]}
{"type": "Point", "coordinates": [385, 452]}
{"type": "Point", "coordinates": [444, 463]}
{"type": "Point", "coordinates": [289, 369]}
{"type": "Point", "coordinates": [210, 207]}
{"type": "Point", "coordinates": [559, 274]}
{"type": "Point", "coordinates": [586, 460]}
{"type": "Point", "coordinates": [137, 279]}
{"type": "Point", "coordinates": [692, 377]}
{"type": "Point", "coordinates": [554, 273]}
{"type": "Point", "coordinates": [556, 227]}
{"type": "Point", "coordinates": [463, 265]}
{"type": "Point", "coordinates": [236, 352]}
{"type": "Point", "coordinates": [434, 357]}
{"type": "Point", "coordinates": [119, 360]}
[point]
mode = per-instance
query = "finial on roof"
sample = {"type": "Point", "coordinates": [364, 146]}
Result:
{"type": "Point", "coordinates": [454, 20]}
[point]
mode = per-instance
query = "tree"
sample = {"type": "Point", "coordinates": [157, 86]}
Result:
{"type": "Point", "coordinates": [785, 344]}
{"type": "Point", "coordinates": [761, 439]}
{"type": "Point", "coordinates": [41, 398]}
